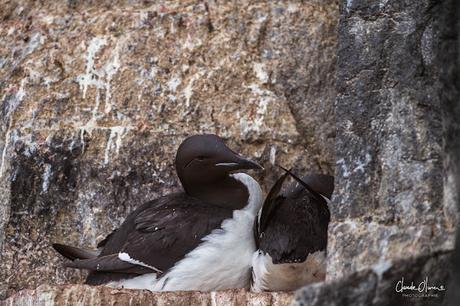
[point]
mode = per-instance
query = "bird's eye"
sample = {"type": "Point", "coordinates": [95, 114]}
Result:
{"type": "Point", "coordinates": [201, 158]}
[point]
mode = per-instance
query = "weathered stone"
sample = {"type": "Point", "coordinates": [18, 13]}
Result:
{"type": "Point", "coordinates": [390, 199]}
{"type": "Point", "coordinates": [379, 284]}
{"type": "Point", "coordinates": [87, 295]}
{"type": "Point", "coordinates": [96, 96]}
{"type": "Point", "coordinates": [450, 63]}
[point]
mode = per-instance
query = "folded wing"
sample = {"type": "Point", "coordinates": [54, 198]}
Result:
{"type": "Point", "coordinates": [152, 238]}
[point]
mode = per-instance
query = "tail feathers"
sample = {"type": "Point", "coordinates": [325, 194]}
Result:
{"type": "Point", "coordinates": [73, 253]}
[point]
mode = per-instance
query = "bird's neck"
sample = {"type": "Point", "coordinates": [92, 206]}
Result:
{"type": "Point", "coordinates": [226, 192]}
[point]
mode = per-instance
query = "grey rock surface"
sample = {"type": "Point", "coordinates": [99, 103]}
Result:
{"type": "Point", "coordinates": [391, 198]}
{"type": "Point", "coordinates": [450, 62]}
{"type": "Point", "coordinates": [97, 95]}
{"type": "Point", "coordinates": [382, 284]}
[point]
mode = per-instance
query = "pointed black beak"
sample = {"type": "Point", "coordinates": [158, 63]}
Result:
{"type": "Point", "coordinates": [239, 163]}
{"type": "Point", "coordinates": [244, 163]}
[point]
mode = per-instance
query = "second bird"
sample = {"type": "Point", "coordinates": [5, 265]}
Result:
{"type": "Point", "coordinates": [291, 234]}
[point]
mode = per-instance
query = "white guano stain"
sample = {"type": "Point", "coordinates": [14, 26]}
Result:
{"type": "Point", "coordinates": [188, 90]}
{"type": "Point", "coordinates": [272, 155]}
{"type": "Point", "coordinates": [101, 78]}
{"type": "Point", "coordinates": [21, 93]}
{"type": "Point", "coordinates": [256, 124]}
{"type": "Point", "coordinates": [261, 74]}
{"type": "Point", "coordinates": [192, 42]}
{"type": "Point", "coordinates": [383, 264]}
{"type": "Point", "coordinates": [359, 165]}
{"type": "Point", "coordinates": [36, 40]}
{"type": "Point", "coordinates": [14, 104]}
{"type": "Point", "coordinates": [91, 77]}
{"type": "Point", "coordinates": [5, 148]}
{"type": "Point", "coordinates": [88, 128]}
{"type": "Point", "coordinates": [111, 68]}
{"type": "Point", "coordinates": [292, 8]}
{"type": "Point", "coordinates": [116, 135]}
{"type": "Point", "coordinates": [115, 141]}
{"type": "Point", "coordinates": [153, 73]}
{"type": "Point", "coordinates": [381, 267]}
{"type": "Point", "coordinates": [173, 83]}
{"type": "Point", "coordinates": [348, 5]}
{"type": "Point", "coordinates": [46, 178]}
{"type": "Point", "coordinates": [143, 17]}
{"type": "Point", "coordinates": [343, 165]}
{"type": "Point", "coordinates": [48, 19]}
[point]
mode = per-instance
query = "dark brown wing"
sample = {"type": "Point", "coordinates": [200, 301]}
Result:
{"type": "Point", "coordinates": [298, 223]}
{"type": "Point", "coordinates": [166, 234]}
{"type": "Point", "coordinates": [102, 243]}
{"type": "Point", "coordinates": [297, 228]}
{"type": "Point", "coordinates": [270, 204]}
{"type": "Point", "coordinates": [160, 233]}
{"type": "Point", "coordinates": [111, 263]}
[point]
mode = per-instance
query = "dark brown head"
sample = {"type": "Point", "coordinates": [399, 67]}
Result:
{"type": "Point", "coordinates": [205, 160]}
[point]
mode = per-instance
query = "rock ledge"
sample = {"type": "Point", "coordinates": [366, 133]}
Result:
{"type": "Point", "coordinates": [101, 295]}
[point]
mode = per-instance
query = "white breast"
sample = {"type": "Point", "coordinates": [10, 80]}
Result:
{"type": "Point", "coordinates": [222, 261]}
{"type": "Point", "coordinates": [267, 276]}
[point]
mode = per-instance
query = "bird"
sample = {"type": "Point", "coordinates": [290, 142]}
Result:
{"type": "Point", "coordinates": [196, 239]}
{"type": "Point", "coordinates": [291, 234]}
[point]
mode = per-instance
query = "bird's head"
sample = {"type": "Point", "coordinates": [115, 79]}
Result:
{"type": "Point", "coordinates": [205, 159]}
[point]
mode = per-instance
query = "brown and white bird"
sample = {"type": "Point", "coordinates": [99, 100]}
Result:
{"type": "Point", "coordinates": [291, 234]}
{"type": "Point", "coordinates": [198, 239]}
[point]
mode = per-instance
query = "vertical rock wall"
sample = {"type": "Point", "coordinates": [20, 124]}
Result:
{"type": "Point", "coordinates": [391, 199]}
{"type": "Point", "coordinates": [450, 78]}
{"type": "Point", "coordinates": [97, 95]}
{"type": "Point", "coordinates": [398, 153]}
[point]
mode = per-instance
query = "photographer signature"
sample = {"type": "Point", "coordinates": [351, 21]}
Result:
{"type": "Point", "coordinates": [423, 286]}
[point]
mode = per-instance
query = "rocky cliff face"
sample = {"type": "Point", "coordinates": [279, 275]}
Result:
{"type": "Point", "coordinates": [392, 198]}
{"type": "Point", "coordinates": [96, 97]}
{"type": "Point", "coordinates": [397, 149]}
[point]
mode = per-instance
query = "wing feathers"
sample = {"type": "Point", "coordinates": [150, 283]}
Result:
{"type": "Point", "coordinates": [270, 203]}
{"type": "Point", "coordinates": [111, 263]}
{"type": "Point", "coordinates": [156, 236]}
{"type": "Point", "coordinates": [73, 253]}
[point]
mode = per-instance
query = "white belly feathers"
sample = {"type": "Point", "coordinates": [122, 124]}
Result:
{"type": "Point", "coordinates": [289, 276]}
